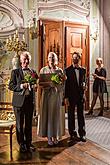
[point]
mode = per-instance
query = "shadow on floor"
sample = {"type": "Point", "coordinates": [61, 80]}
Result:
{"type": "Point", "coordinates": [43, 153]}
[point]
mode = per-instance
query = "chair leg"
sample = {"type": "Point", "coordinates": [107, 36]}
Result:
{"type": "Point", "coordinates": [11, 156]}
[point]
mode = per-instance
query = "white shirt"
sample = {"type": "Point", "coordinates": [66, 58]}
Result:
{"type": "Point", "coordinates": [77, 75]}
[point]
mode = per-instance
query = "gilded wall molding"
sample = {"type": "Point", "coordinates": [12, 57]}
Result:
{"type": "Point", "coordinates": [63, 8]}
{"type": "Point", "coordinates": [84, 3]}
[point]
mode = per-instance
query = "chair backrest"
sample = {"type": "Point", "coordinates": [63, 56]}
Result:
{"type": "Point", "coordinates": [5, 106]}
{"type": "Point", "coordinates": [6, 111]}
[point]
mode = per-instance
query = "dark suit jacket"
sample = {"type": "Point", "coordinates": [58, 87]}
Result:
{"type": "Point", "coordinates": [14, 85]}
{"type": "Point", "coordinates": [73, 90]}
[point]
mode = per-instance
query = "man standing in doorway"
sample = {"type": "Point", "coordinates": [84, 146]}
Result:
{"type": "Point", "coordinates": [74, 96]}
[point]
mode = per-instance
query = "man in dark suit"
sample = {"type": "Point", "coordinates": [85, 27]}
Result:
{"type": "Point", "coordinates": [74, 96]}
{"type": "Point", "coordinates": [23, 103]}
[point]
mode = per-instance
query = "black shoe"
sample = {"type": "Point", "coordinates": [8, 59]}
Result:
{"type": "Point", "coordinates": [83, 138]}
{"type": "Point", "coordinates": [74, 137]}
{"type": "Point", "coordinates": [89, 113]}
{"type": "Point", "coordinates": [31, 147]}
{"type": "Point", "coordinates": [100, 113]}
{"type": "Point", "coordinates": [23, 148]}
{"type": "Point", "coordinates": [71, 138]}
{"type": "Point", "coordinates": [75, 134]}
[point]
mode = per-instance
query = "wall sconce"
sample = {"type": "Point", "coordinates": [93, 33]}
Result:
{"type": "Point", "coordinates": [33, 29]}
{"type": "Point", "coordinates": [94, 29]}
{"type": "Point", "coordinates": [94, 35]}
{"type": "Point", "coordinates": [14, 43]}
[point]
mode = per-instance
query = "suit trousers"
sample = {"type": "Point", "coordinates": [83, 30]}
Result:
{"type": "Point", "coordinates": [80, 118]}
{"type": "Point", "coordinates": [24, 116]}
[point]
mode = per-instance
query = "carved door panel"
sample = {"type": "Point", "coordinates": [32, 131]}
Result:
{"type": "Point", "coordinates": [77, 40]}
{"type": "Point", "coordinates": [53, 40]}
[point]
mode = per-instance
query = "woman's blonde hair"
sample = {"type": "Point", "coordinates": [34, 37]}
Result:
{"type": "Point", "coordinates": [100, 59]}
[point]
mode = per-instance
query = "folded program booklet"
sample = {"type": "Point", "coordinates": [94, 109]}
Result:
{"type": "Point", "coordinates": [45, 77]}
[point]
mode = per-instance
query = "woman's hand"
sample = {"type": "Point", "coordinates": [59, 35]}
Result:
{"type": "Point", "coordinates": [35, 87]}
{"type": "Point", "coordinates": [100, 77]}
{"type": "Point", "coordinates": [94, 75]}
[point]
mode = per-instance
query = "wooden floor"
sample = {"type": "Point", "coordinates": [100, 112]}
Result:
{"type": "Point", "coordinates": [65, 153]}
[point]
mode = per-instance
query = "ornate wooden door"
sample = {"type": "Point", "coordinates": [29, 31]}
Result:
{"type": "Point", "coordinates": [77, 40]}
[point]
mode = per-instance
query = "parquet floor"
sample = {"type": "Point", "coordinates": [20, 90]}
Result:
{"type": "Point", "coordinates": [65, 153]}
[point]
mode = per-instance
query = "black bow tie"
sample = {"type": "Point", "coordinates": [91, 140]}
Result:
{"type": "Point", "coordinates": [76, 68]}
{"type": "Point", "coordinates": [25, 69]}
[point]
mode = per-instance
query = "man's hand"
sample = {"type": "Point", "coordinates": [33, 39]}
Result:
{"type": "Point", "coordinates": [66, 102]}
{"type": "Point", "coordinates": [25, 85]}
